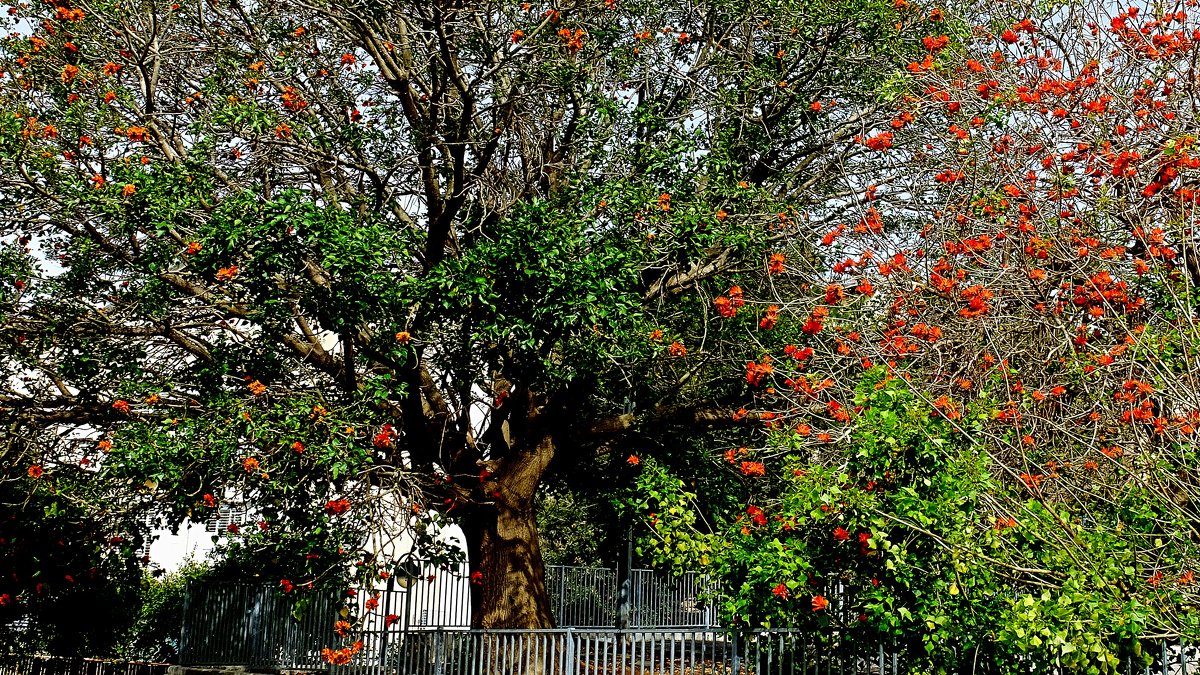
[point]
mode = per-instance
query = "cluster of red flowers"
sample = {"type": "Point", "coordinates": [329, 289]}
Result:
{"type": "Point", "coordinates": [572, 40]}
{"type": "Point", "coordinates": [880, 141]}
{"type": "Point", "coordinates": [292, 100]}
{"type": "Point", "coordinates": [757, 515]}
{"type": "Point", "coordinates": [753, 469]}
{"type": "Point", "coordinates": [757, 372]}
{"type": "Point", "coordinates": [770, 318]}
{"type": "Point", "coordinates": [343, 656]}
{"type": "Point", "coordinates": [774, 265]}
{"type": "Point", "coordinates": [728, 306]}
{"type": "Point", "coordinates": [386, 436]}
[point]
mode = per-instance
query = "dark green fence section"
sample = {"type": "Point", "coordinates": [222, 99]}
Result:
{"type": "Point", "coordinates": [258, 624]}
{"type": "Point", "coordinates": [586, 597]}
{"type": "Point", "coordinates": [255, 625]}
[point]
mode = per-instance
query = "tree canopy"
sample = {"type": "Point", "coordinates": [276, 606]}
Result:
{"type": "Point", "coordinates": [982, 409]}
{"type": "Point", "coordinates": [332, 258]}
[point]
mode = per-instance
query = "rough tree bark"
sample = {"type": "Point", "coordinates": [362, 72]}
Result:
{"type": "Point", "coordinates": [509, 588]}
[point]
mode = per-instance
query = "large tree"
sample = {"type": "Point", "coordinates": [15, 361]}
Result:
{"type": "Point", "coordinates": [336, 259]}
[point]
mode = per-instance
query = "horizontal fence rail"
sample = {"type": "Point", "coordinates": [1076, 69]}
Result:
{"type": "Point", "coordinates": [57, 665]}
{"type": "Point", "coordinates": [669, 652]}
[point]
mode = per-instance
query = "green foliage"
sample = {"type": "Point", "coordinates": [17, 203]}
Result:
{"type": "Point", "coordinates": [573, 530]}
{"type": "Point", "coordinates": [675, 537]}
{"type": "Point", "coordinates": [916, 543]}
{"type": "Point", "coordinates": [155, 630]}
{"type": "Point", "coordinates": [70, 582]}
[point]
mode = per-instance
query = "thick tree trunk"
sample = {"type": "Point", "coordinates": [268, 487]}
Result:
{"type": "Point", "coordinates": [508, 588]}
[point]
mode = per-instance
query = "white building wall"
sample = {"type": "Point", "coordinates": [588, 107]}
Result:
{"type": "Point", "coordinates": [169, 552]}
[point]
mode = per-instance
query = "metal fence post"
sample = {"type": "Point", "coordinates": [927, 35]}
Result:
{"type": "Point", "coordinates": [387, 609]}
{"type": "Point", "coordinates": [572, 666]}
{"type": "Point", "coordinates": [183, 624]}
{"type": "Point", "coordinates": [625, 585]}
{"type": "Point", "coordinates": [562, 593]}
{"type": "Point", "coordinates": [737, 660]}
{"type": "Point", "coordinates": [438, 662]}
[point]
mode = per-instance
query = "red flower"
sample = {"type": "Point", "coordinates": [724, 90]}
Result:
{"type": "Point", "coordinates": [286, 585]}
{"type": "Point", "coordinates": [337, 507]}
{"type": "Point", "coordinates": [775, 263]}
{"type": "Point", "coordinates": [781, 591]}
{"type": "Point", "coordinates": [834, 294]}
{"type": "Point", "coordinates": [753, 469]}
{"type": "Point", "coordinates": [724, 307]}
{"type": "Point", "coordinates": [292, 100]}
{"type": "Point", "coordinates": [770, 319]}
{"type": "Point", "coordinates": [383, 439]}
{"type": "Point", "coordinates": [121, 407]}
{"type": "Point", "coordinates": [477, 578]}
{"type": "Point", "coordinates": [935, 44]}
{"type": "Point", "coordinates": [880, 141]}
{"type": "Point", "coordinates": [756, 372]}
{"type": "Point", "coordinates": [390, 620]}
{"type": "Point", "coordinates": [819, 603]}
{"type": "Point", "coordinates": [757, 515]}
{"type": "Point", "coordinates": [574, 42]}
{"type": "Point", "coordinates": [840, 534]}
{"type": "Point", "coordinates": [35, 471]}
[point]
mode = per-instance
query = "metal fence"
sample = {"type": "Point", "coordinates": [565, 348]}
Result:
{"type": "Point", "coordinates": [258, 626]}
{"type": "Point", "coordinates": [590, 651]}
{"type": "Point", "coordinates": [57, 665]}
{"type": "Point", "coordinates": [255, 624]}
{"type": "Point", "coordinates": [573, 651]}
{"type": "Point", "coordinates": [586, 597]}
{"type": "Point", "coordinates": [253, 619]}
